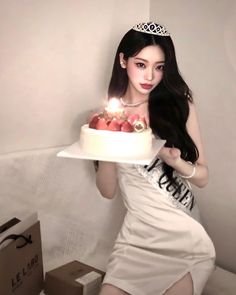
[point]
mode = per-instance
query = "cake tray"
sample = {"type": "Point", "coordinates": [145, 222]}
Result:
{"type": "Point", "coordinates": [74, 151]}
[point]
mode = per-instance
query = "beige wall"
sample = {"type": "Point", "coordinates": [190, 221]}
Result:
{"type": "Point", "coordinates": [55, 62]}
{"type": "Point", "coordinates": [204, 33]}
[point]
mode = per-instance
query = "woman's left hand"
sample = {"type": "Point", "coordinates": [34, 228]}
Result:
{"type": "Point", "coordinates": [170, 156]}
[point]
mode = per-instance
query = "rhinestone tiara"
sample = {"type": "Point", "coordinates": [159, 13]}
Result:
{"type": "Point", "coordinates": [151, 28]}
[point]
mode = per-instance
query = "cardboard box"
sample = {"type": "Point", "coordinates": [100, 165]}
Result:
{"type": "Point", "coordinates": [73, 278]}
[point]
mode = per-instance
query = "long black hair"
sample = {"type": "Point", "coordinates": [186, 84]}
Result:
{"type": "Point", "coordinates": [168, 103]}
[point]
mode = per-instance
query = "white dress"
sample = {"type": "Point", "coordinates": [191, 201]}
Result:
{"type": "Point", "coordinates": [159, 241]}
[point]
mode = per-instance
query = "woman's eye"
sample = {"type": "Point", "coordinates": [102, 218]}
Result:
{"type": "Point", "coordinates": [160, 68]}
{"type": "Point", "coordinates": [140, 65]}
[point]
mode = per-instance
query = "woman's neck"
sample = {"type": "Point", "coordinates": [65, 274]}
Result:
{"type": "Point", "coordinates": [133, 104]}
{"type": "Point", "coordinates": [132, 96]}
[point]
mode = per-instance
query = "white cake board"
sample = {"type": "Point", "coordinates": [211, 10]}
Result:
{"type": "Point", "coordinates": [74, 151]}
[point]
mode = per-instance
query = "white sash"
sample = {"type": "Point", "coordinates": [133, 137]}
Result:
{"type": "Point", "coordinates": [181, 195]}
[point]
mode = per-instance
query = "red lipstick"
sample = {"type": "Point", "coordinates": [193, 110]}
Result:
{"type": "Point", "coordinates": [146, 86]}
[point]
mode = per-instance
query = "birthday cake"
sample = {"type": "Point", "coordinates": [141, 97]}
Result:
{"type": "Point", "coordinates": [116, 134]}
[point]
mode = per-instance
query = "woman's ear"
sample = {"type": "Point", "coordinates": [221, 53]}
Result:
{"type": "Point", "coordinates": [122, 60]}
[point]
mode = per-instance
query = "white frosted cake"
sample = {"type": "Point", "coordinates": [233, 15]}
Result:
{"type": "Point", "coordinates": [110, 143]}
{"type": "Point", "coordinates": [114, 133]}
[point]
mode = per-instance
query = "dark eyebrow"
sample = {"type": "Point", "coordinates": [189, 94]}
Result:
{"type": "Point", "coordinates": [142, 59]}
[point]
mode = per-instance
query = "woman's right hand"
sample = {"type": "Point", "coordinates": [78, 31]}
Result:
{"type": "Point", "coordinates": [106, 179]}
{"type": "Point", "coordinates": [170, 156]}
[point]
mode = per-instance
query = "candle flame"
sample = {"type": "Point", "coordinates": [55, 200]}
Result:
{"type": "Point", "coordinates": [114, 104]}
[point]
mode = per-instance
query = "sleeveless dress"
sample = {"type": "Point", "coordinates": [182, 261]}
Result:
{"type": "Point", "coordinates": [159, 241]}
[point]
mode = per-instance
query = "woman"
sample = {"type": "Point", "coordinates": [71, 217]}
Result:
{"type": "Point", "coordinates": [161, 248]}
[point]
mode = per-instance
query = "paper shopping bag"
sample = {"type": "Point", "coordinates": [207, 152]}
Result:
{"type": "Point", "coordinates": [21, 265]}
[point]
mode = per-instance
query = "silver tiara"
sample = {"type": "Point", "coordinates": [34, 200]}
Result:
{"type": "Point", "coordinates": [151, 28]}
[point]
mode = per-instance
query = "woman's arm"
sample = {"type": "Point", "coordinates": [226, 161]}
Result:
{"type": "Point", "coordinates": [172, 155]}
{"type": "Point", "coordinates": [106, 179]}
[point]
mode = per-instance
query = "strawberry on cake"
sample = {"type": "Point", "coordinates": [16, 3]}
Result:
{"type": "Point", "coordinates": [116, 135]}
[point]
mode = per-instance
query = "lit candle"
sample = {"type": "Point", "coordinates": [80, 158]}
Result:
{"type": "Point", "coordinates": [114, 107]}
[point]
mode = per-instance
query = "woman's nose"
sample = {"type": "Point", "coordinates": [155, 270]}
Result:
{"type": "Point", "coordinates": [149, 74]}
